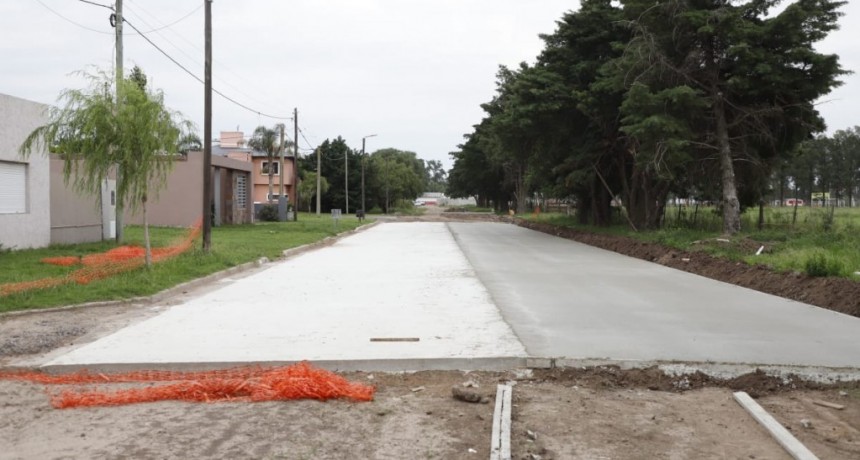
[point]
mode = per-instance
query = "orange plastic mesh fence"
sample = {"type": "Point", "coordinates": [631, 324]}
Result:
{"type": "Point", "coordinates": [250, 384]}
{"type": "Point", "coordinates": [103, 265]}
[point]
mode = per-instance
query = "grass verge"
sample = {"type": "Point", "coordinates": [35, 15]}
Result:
{"type": "Point", "coordinates": [231, 246]}
{"type": "Point", "coordinates": [805, 247]}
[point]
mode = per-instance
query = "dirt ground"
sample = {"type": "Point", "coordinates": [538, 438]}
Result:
{"type": "Point", "coordinates": [595, 413]}
{"type": "Point", "coordinates": [586, 414]}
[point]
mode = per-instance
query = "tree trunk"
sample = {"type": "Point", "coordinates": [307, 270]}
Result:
{"type": "Point", "coordinates": [731, 205]}
{"type": "Point", "coordinates": [761, 214]}
{"type": "Point", "coordinates": [147, 247]}
{"type": "Point", "coordinates": [520, 191]}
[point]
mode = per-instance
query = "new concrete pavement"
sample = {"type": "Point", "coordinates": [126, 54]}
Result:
{"type": "Point", "coordinates": [474, 291]}
{"type": "Point", "coordinates": [571, 300]}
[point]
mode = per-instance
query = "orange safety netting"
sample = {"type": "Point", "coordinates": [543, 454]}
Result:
{"type": "Point", "coordinates": [249, 384]}
{"type": "Point", "coordinates": [103, 265]}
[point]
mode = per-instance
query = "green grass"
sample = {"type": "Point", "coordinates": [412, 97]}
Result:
{"type": "Point", "coordinates": [470, 208]}
{"type": "Point", "coordinates": [806, 246]}
{"type": "Point", "coordinates": [231, 246]}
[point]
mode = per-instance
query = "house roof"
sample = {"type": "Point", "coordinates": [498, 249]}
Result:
{"type": "Point", "coordinates": [224, 151]}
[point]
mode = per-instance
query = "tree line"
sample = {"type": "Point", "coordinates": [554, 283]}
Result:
{"type": "Point", "coordinates": [823, 171]}
{"type": "Point", "coordinates": [633, 101]}
{"type": "Point", "coordinates": [390, 176]}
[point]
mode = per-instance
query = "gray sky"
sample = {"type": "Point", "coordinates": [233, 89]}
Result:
{"type": "Point", "coordinates": [412, 71]}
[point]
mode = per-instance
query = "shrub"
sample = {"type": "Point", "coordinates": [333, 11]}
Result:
{"type": "Point", "coordinates": [269, 213]}
{"type": "Point", "coordinates": [819, 264]}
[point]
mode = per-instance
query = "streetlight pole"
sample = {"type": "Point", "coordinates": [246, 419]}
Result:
{"type": "Point", "coordinates": [363, 207]}
{"type": "Point", "coordinates": [346, 180]}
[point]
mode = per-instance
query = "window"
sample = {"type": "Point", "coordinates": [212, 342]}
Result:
{"type": "Point", "coordinates": [264, 170]}
{"type": "Point", "coordinates": [274, 196]}
{"type": "Point", "coordinates": [13, 188]}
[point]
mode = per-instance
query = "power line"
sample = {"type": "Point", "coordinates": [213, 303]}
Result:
{"type": "Point", "coordinates": [61, 16]}
{"type": "Point", "coordinates": [168, 56]}
{"type": "Point", "coordinates": [176, 21]}
{"type": "Point", "coordinates": [71, 21]}
{"type": "Point", "coordinates": [305, 138]}
{"type": "Point", "coordinates": [221, 66]}
{"type": "Point", "coordinates": [96, 4]}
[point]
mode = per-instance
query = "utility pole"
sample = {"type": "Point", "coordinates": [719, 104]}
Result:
{"type": "Point", "coordinates": [319, 177]}
{"type": "Point", "coordinates": [119, 76]}
{"type": "Point", "coordinates": [207, 132]}
{"type": "Point", "coordinates": [296, 163]}
{"type": "Point", "coordinates": [282, 204]}
{"type": "Point", "coordinates": [363, 204]}
{"type": "Point", "coordinates": [346, 179]}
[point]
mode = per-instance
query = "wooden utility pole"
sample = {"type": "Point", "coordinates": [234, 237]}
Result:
{"type": "Point", "coordinates": [207, 132]}
{"type": "Point", "coordinates": [282, 173]}
{"type": "Point", "coordinates": [296, 163]}
{"type": "Point", "coordinates": [319, 177]}
{"type": "Point", "coordinates": [346, 179]}
{"type": "Point", "coordinates": [119, 75]}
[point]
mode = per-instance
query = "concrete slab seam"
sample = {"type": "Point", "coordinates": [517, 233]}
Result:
{"type": "Point", "coordinates": [358, 365]}
{"type": "Point", "coordinates": [785, 439]}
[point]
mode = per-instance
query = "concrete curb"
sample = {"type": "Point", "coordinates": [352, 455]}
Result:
{"type": "Point", "coordinates": [719, 371]}
{"type": "Point", "coordinates": [181, 288]}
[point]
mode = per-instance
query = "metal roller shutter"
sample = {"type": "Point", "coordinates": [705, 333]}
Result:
{"type": "Point", "coordinates": [13, 188]}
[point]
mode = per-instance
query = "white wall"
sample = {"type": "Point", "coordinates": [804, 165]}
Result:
{"type": "Point", "coordinates": [32, 228]}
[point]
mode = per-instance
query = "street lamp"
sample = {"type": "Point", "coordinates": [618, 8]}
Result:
{"type": "Point", "coordinates": [363, 208]}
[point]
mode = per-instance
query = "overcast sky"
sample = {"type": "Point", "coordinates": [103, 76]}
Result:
{"type": "Point", "coordinates": [412, 71]}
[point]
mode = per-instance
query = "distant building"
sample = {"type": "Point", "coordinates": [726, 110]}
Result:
{"type": "Point", "coordinates": [180, 202]}
{"type": "Point", "coordinates": [233, 145]}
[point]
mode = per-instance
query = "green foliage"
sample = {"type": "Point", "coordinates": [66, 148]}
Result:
{"type": "Point", "coordinates": [395, 175]}
{"type": "Point", "coordinates": [435, 176]}
{"type": "Point", "coordinates": [269, 213]}
{"type": "Point", "coordinates": [634, 100]}
{"type": "Point", "coordinates": [788, 246]}
{"type": "Point", "coordinates": [93, 134]}
{"type": "Point", "coordinates": [820, 264]}
{"type": "Point", "coordinates": [308, 188]}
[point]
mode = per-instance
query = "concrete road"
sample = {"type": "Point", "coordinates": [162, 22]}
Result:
{"type": "Point", "coordinates": [393, 281]}
{"type": "Point", "coordinates": [473, 291]}
{"type": "Point", "coordinates": [566, 299]}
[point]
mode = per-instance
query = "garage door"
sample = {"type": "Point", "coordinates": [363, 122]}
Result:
{"type": "Point", "coordinates": [13, 188]}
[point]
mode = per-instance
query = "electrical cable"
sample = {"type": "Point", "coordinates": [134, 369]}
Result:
{"type": "Point", "coordinates": [302, 133]}
{"type": "Point", "coordinates": [168, 56]}
{"type": "Point", "coordinates": [221, 81]}
{"type": "Point", "coordinates": [71, 21]}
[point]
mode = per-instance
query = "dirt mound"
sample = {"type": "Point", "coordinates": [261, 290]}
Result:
{"type": "Point", "coordinates": [837, 294]}
{"type": "Point", "coordinates": [756, 383]}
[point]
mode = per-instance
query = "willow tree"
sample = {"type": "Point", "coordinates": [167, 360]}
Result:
{"type": "Point", "coordinates": [93, 134]}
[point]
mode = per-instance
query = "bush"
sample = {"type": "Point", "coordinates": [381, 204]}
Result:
{"type": "Point", "coordinates": [819, 264]}
{"type": "Point", "coordinates": [269, 213]}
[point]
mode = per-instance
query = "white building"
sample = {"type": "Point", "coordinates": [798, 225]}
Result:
{"type": "Point", "coordinates": [25, 208]}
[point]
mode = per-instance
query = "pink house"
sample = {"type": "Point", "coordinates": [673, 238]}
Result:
{"type": "Point", "coordinates": [233, 145]}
